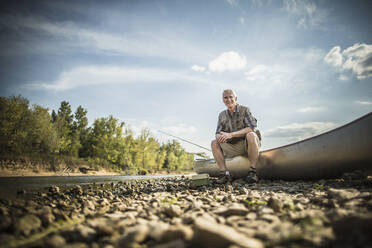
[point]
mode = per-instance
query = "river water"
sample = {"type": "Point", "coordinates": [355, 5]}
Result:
{"type": "Point", "coordinates": [10, 185]}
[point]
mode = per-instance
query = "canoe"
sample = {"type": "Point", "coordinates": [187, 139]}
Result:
{"type": "Point", "coordinates": [328, 155]}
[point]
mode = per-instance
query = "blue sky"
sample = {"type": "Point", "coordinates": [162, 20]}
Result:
{"type": "Point", "coordinates": [303, 67]}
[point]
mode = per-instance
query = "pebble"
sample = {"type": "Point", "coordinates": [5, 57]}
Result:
{"type": "Point", "coordinates": [170, 213]}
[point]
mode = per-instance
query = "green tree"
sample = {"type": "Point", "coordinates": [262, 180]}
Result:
{"type": "Point", "coordinates": [106, 139]}
{"type": "Point", "coordinates": [14, 124]}
{"type": "Point", "coordinates": [68, 137]}
{"type": "Point", "coordinates": [41, 137]}
{"type": "Point", "coordinates": [81, 130]}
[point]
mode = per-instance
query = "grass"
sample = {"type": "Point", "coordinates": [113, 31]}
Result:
{"type": "Point", "coordinates": [319, 186]}
{"type": "Point", "coordinates": [169, 200]}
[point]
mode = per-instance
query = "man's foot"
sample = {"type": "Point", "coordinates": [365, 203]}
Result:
{"type": "Point", "coordinates": [224, 178]}
{"type": "Point", "coordinates": [252, 176]}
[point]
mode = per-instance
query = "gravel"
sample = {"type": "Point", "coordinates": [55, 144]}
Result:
{"type": "Point", "coordinates": [175, 213]}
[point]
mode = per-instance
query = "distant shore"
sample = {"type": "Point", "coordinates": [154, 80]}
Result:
{"type": "Point", "coordinates": [30, 173]}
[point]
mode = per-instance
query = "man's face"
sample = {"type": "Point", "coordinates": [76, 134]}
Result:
{"type": "Point", "coordinates": [229, 99]}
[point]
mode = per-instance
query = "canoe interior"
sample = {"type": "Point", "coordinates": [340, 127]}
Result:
{"type": "Point", "coordinates": [328, 155]}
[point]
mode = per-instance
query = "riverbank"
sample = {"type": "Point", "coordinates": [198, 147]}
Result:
{"type": "Point", "coordinates": [174, 213]}
{"type": "Point", "coordinates": [30, 173]}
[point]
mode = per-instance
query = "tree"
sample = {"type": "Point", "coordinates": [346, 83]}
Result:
{"type": "Point", "coordinates": [81, 130]}
{"type": "Point", "coordinates": [14, 124]}
{"type": "Point", "coordinates": [68, 138]}
{"type": "Point", "coordinates": [106, 139]}
{"type": "Point", "coordinates": [41, 136]}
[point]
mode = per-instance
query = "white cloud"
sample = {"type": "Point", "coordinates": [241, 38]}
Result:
{"type": "Point", "coordinates": [167, 125]}
{"type": "Point", "coordinates": [134, 43]}
{"type": "Point", "coordinates": [99, 75]}
{"type": "Point", "coordinates": [242, 20]}
{"type": "Point", "coordinates": [310, 109]}
{"type": "Point", "coordinates": [256, 73]}
{"type": "Point", "coordinates": [307, 12]}
{"type": "Point", "coordinates": [364, 102]}
{"type": "Point", "coordinates": [232, 2]}
{"type": "Point", "coordinates": [180, 129]}
{"type": "Point", "coordinates": [299, 131]}
{"type": "Point", "coordinates": [334, 57]}
{"type": "Point", "coordinates": [198, 68]}
{"type": "Point", "coordinates": [228, 61]}
{"type": "Point", "coordinates": [357, 58]}
{"type": "Point", "coordinates": [282, 72]}
{"type": "Point", "coordinates": [343, 78]}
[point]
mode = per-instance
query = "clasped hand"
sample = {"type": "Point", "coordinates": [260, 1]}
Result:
{"type": "Point", "coordinates": [222, 137]}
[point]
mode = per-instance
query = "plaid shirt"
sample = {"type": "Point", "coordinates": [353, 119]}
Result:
{"type": "Point", "coordinates": [239, 119]}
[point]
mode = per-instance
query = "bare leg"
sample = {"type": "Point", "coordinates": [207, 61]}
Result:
{"type": "Point", "coordinates": [253, 147]}
{"type": "Point", "coordinates": [218, 155]}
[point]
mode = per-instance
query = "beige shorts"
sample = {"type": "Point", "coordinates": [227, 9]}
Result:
{"type": "Point", "coordinates": [239, 148]}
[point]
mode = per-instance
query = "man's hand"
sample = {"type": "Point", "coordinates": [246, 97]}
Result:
{"type": "Point", "coordinates": [222, 137]}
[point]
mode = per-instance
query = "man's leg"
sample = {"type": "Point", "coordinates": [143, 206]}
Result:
{"type": "Point", "coordinates": [253, 146]}
{"type": "Point", "coordinates": [218, 155]}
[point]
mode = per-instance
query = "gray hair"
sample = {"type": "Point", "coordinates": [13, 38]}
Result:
{"type": "Point", "coordinates": [229, 91]}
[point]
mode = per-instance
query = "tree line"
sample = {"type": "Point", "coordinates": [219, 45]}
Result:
{"type": "Point", "coordinates": [35, 132]}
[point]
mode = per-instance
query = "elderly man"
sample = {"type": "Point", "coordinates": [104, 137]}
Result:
{"type": "Point", "coordinates": [235, 135]}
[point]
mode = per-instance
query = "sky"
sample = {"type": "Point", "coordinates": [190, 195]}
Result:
{"type": "Point", "coordinates": [302, 67]}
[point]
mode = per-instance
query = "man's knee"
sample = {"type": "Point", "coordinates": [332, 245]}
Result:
{"type": "Point", "coordinates": [215, 145]}
{"type": "Point", "coordinates": [251, 137]}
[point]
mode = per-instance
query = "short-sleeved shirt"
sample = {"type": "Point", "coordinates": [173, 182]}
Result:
{"type": "Point", "coordinates": [239, 119]}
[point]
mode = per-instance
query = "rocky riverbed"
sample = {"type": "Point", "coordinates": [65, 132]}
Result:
{"type": "Point", "coordinates": [172, 213]}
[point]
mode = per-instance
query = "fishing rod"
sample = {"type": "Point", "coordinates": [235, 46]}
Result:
{"type": "Point", "coordinates": [184, 140]}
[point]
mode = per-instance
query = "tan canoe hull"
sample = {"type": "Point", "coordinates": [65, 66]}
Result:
{"type": "Point", "coordinates": [328, 155]}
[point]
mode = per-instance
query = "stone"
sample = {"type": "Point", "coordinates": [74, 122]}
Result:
{"type": "Point", "coordinates": [6, 239]}
{"type": "Point", "coordinates": [172, 211]}
{"type": "Point", "coordinates": [279, 232]}
{"type": "Point", "coordinates": [251, 216]}
{"type": "Point", "coordinates": [55, 241]}
{"type": "Point", "coordinates": [157, 229]}
{"type": "Point", "coordinates": [211, 234]}
{"type": "Point", "coordinates": [235, 209]}
{"type": "Point", "coordinates": [76, 245]}
{"type": "Point", "coordinates": [178, 231]}
{"type": "Point", "coordinates": [47, 218]}
{"type": "Point", "coordinates": [342, 194]}
{"type": "Point", "coordinates": [178, 243]}
{"type": "Point", "coordinates": [353, 228]}
{"type": "Point", "coordinates": [81, 233]}
{"type": "Point", "coordinates": [134, 235]}
{"type": "Point", "coordinates": [54, 189]}
{"type": "Point", "coordinates": [270, 218]}
{"type": "Point", "coordinates": [275, 204]}
{"type": "Point", "coordinates": [264, 210]}
{"type": "Point", "coordinates": [5, 223]}
{"type": "Point", "coordinates": [27, 224]}
{"type": "Point", "coordinates": [89, 205]}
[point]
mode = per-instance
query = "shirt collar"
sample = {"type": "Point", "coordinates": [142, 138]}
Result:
{"type": "Point", "coordinates": [237, 107]}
